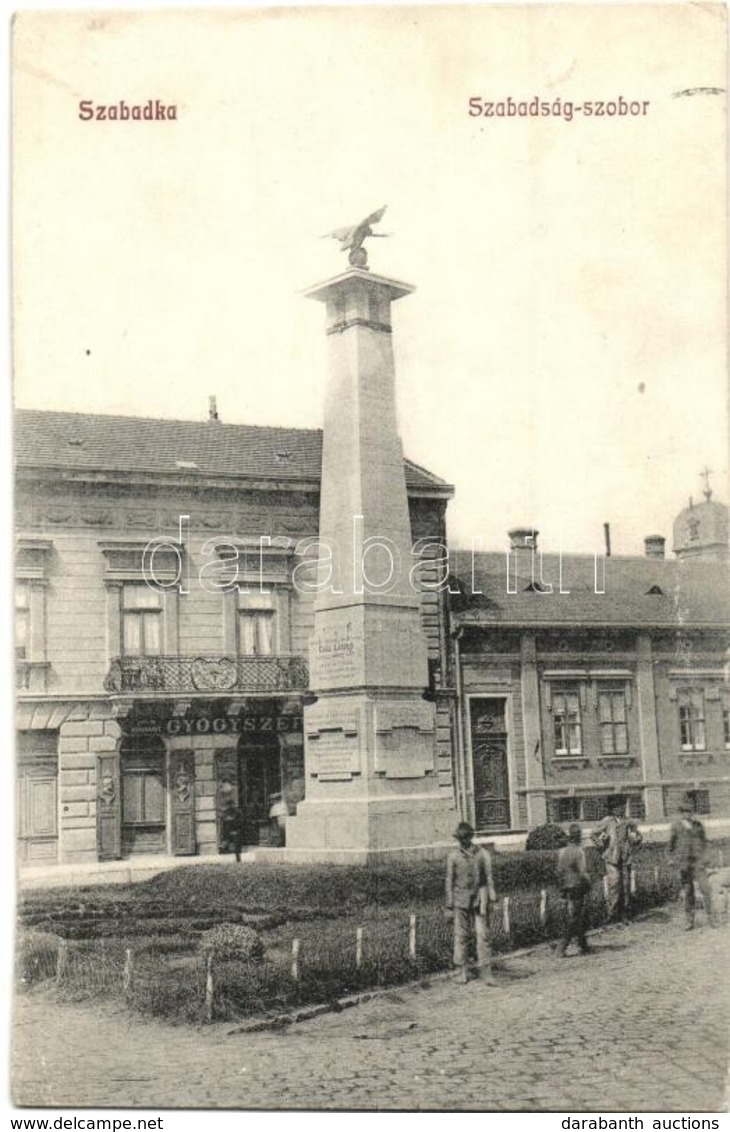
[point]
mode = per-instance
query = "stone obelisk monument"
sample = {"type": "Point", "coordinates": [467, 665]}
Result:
{"type": "Point", "coordinates": [370, 738]}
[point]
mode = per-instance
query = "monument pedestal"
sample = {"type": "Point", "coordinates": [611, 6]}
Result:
{"type": "Point", "coordinates": [372, 785]}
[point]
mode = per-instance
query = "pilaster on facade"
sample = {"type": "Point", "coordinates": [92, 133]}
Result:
{"type": "Point", "coordinates": [648, 734]}
{"type": "Point", "coordinates": [533, 746]}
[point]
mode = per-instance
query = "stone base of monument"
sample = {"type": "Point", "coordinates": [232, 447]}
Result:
{"type": "Point", "coordinates": [361, 857]}
{"type": "Point", "coordinates": [363, 831]}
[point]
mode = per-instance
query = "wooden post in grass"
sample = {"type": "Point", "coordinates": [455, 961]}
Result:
{"type": "Point", "coordinates": [506, 924]}
{"type": "Point", "coordinates": [413, 938]}
{"type": "Point", "coordinates": [61, 961]}
{"type": "Point", "coordinates": [208, 1013]}
{"type": "Point", "coordinates": [358, 948]}
{"type": "Point", "coordinates": [656, 876]}
{"type": "Point", "coordinates": [295, 960]}
{"type": "Point", "coordinates": [127, 973]}
{"type": "Point", "coordinates": [543, 907]}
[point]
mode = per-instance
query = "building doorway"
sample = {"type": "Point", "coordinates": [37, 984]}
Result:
{"type": "Point", "coordinates": [143, 795]}
{"type": "Point", "coordinates": [259, 776]}
{"type": "Point", "coordinates": [488, 730]}
{"type": "Point", "coordinates": [37, 797]}
{"type": "Point", "coordinates": [249, 776]}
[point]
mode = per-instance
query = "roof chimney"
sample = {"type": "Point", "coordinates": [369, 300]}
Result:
{"type": "Point", "coordinates": [654, 546]}
{"type": "Point", "coordinates": [523, 538]}
{"type": "Point", "coordinates": [212, 410]}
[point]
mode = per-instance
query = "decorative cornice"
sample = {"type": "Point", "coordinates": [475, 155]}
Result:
{"type": "Point", "coordinates": [340, 327]}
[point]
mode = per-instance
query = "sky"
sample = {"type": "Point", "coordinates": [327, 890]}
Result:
{"type": "Point", "coordinates": [562, 359]}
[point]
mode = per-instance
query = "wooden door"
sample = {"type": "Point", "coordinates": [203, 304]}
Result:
{"type": "Point", "coordinates": [144, 823]}
{"type": "Point", "coordinates": [489, 762]}
{"type": "Point", "coordinates": [37, 814]}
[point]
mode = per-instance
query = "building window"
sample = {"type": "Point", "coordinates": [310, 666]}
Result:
{"type": "Point", "coordinates": [141, 620]}
{"type": "Point", "coordinates": [726, 717]}
{"type": "Point", "coordinates": [256, 625]}
{"type": "Point", "coordinates": [566, 809]}
{"type": "Point", "coordinates": [612, 716]}
{"type": "Point", "coordinates": [691, 719]}
{"type": "Point", "coordinates": [22, 622]}
{"type": "Point", "coordinates": [635, 807]}
{"type": "Point", "coordinates": [699, 800]}
{"type": "Point", "coordinates": [566, 722]}
{"type": "Point", "coordinates": [594, 807]}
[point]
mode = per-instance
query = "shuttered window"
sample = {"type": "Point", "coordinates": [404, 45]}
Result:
{"type": "Point", "coordinates": [612, 717]}
{"type": "Point", "coordinates": [566, 722]}
{"type": "Point", "coordinates": [141, 620]}
{"type": "Point", "coordinates": [691, 703]}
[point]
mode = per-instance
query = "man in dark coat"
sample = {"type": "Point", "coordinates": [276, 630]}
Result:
{"type": "Point", "coordinates": [574, 883]}
{"type": "Point", "coordinates": [616, 838]}
{"type": "Point", "coordinates": [688, 853]}
{"type": "Point", "coordinates": [231, 829]}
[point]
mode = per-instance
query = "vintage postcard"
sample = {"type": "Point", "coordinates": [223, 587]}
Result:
{"type": "Point", "coordinates": [372, 719]}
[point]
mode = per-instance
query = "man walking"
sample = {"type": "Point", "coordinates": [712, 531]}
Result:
{"type": "Point", "coordinates": [688, 853]}
{"type": "Point", "coordinates": [469, 891]}
{"type": "Point", "coordinates": [574, 883]}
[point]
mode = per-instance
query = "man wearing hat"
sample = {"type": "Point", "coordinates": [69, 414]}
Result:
{"type": "Point", "coordinates": [574, 882]}
{"type": "Point", "coordinates": [469, 890]}
{"type": "Point", "coordinates": [688, 853]}
{"type": "Point", "coordinates": [616, 838]}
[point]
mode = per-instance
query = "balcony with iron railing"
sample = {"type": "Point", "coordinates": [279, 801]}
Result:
{"type": "Point", "coordinates": [149, 674]}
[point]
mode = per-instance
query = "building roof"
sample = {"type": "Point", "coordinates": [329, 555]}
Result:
{"type": "Point", "coordinates": [92, 442]}
{"type": "Point", "coordinates": [638, 591]}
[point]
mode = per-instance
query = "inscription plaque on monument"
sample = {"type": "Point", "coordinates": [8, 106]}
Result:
{"type": "Point", "coordinates": [337, 652]}
{"type": "Point", "coordinates": [334, 755]}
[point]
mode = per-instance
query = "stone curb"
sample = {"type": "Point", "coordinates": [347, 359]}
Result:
{"type": "Point", "coordinates": [282, 1021]}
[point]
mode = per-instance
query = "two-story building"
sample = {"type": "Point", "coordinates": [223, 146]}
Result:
{"type": "Point", "coordinates": [165, 575]}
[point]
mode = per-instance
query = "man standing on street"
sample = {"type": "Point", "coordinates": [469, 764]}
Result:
{"type": "Point", "coordinates": [616, 838]}
{"type": "Point", "coordinates": [469, 891]}
{"type": "Point", "coordinates": [574, 883]}
{"type": "Point", "coordinates": [688, 853]}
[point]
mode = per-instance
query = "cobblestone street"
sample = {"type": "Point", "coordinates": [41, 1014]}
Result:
{"type": "Point", "coordinates": [640, 1025]}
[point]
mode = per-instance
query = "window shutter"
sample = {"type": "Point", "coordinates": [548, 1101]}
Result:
{"type": "Point", "coordinates": [108, 808]}
{"type": "Point", "coordinates": [182, 803]}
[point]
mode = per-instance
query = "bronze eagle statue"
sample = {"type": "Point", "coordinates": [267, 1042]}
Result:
{"type": "Point", "coordinates": [352, 237]}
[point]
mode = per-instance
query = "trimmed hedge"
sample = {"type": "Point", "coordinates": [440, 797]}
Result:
{"type": "Point", "coordinates": [546, 837]}
{"type": "Point", "coordinates": [232, 941]}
